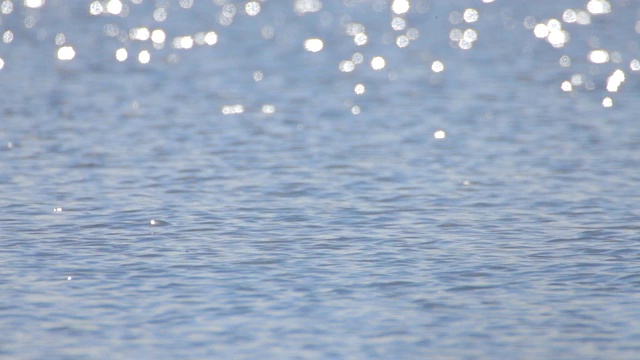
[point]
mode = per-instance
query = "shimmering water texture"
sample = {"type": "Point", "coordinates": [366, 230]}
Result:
{"type": "Point", "coordinates": [319, 179]}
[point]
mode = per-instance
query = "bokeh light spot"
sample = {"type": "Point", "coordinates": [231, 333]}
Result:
{"type": "Point", "coordinates": [313, 45]}
{"type": "Point", "coordinates": [378, 63]}
{"type": "Point", "coordinates": [211, 38]}
{"type": "Point", "coordinates": [121, 54]}
{"type": "Point", "coordinates": [565, 61]}
{"type": "Point", "coordinates": [402, 41]}
{"type": "Point", "coordinates": [598, 56]}
{"type": "Point", "coordinates": [252, 8]}
{"type": "Point", "coordinates": [33, 3]}
{"type": "Point", "coordinates": [144, 57]}
{"type": "Point", "coordinates": [470, 15]}
{"type": "Point", "coordinates": [7, 37]}
{"type": "Point", "coordinates": [437, 66]}
{"type": "Point", "coordinates": [95, 8]}
{"type": "Point", "coordinates": [598, 7]}
{"type": "Point", "coordinates": [615, 80]}
{"type": "Point", "coordinates": [347, 66]}
{"type": "Point", "coordinates": [400, 6]}
{"type": "Point", "coordinates": [268, 109]}
{"type": "Point", "coordinates": [398, 23]}
{"type": "Point", "coordinates": [66, 53]}
{"type": "Point", "coordinates": [114, 7]}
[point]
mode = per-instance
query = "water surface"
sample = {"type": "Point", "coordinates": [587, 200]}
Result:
{"type": "Point", "coordinates": [181, 209]}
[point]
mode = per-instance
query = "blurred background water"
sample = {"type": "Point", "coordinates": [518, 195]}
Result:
{"type": "Point", "coordinates": [319, 179]}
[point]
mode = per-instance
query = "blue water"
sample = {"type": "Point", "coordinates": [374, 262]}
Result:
{"type": "Point", "coordinates": [138, 221]}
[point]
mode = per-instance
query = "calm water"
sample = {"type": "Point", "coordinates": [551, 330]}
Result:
{"type": "Point", "coordinates": [240, 200]}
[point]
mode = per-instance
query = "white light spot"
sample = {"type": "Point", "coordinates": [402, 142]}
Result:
{"type": "Point", "coordinates": [158, 223]}
{"type": "Point", "coordinates": [607, 102]}
{"type": "Point", "coordinates": [359, 89]}
{"type": "Point", "coordinates": [69, 278]}
{"type": "Point", "coordinates": [557, 38]}
{"type": "Point", "coordinates": [598, 7]}
{"type": "Point", "coordinates": [183, 42]}
{"type": "Point", "coordinates": [634, 65]}
{"type": "Point", "coordinates": [598, 56]}
{"type": "Point", "coordinates": [437, 66]}
{"type": "Point", "coordinates": [114, 7]}
{"type": "Point", "coordinates": [211, 38]}
{"type": "Point", "coordinates": [232, 109]}
{"type": "Point", "coordinates": [554, 25]}
{"type": "Point", "coordinates": [252, 8]}
{"type": "Point", "coordinates": [402, 41]}
{"type": "Point", "coordinates": [615, 80]}
{"type": "Point", "coordinates": [313, 45]}
{"type": "Point", "coordinates": [7, 37]}
{"type": "Point", "coordinates": [141, 33]}
{"type": "Point", "coordinates": [307, 6]}
{"type": "Point", "coordinates": [66, 53]}
{"type": "Point", "coordinates": [58, 209]}
{"type": "Point", "coordinates": [470, 15]}
{"type": "Point", "coordinates": [398, 23]}
{"type": "Point", "coordinates": [360, 39]}
{"type": "Point", "coordinates": [6, 7]}
{"type": "Point", "coordinates": [144, 57]}
{"type": "Point", "coordinates": [541, 31]}
{"type": "Point", "coordinates": [565, 61]}
{"type": "Point", "coordinates": [268, 109]}
{"type": "Point", "coordinates": [347, 66]}
{"type": "Point", "coordinates": [95, 8]}
{"type": "Point", "coordinates": [33, 3]}
{"type": "Point", "coordinates": [566, 86]}
{"type": "Point", "coordinates": [1, 63]}
{"type": "Point", "coordinates": [121, 54]}
{"type": "Point", "coordinates": [355, 110]}
{"type": "Point", "coordinates": [258, 76]}
{"type": "Point", "coordinates": [470, 35]}
{"type": "Point", "coordinates": [440, 134]}
{"type": "Point", "coordinates": [378, 63]}
{"type": "Point", "coordinates": [465, 45]}
{"type": "Point", "coordinates": [400, 6]}
{"type": "Point", "coordinates": [158, 36]}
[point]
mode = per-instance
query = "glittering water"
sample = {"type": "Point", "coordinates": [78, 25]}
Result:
{"type": "Point", "coordinates": [315, 179]}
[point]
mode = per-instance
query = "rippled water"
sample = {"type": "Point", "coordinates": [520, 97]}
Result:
{"type": "Point", "coordinates": [242, 200]}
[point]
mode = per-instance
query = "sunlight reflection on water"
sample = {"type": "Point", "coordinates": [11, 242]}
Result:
{"type": "Point", "coordinates": [319, 179]}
